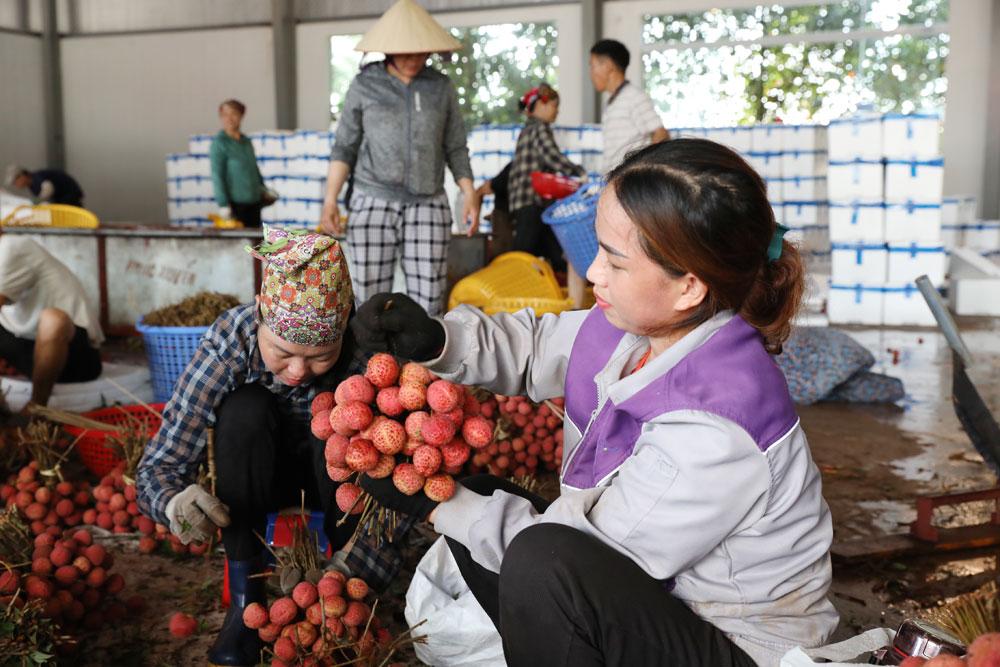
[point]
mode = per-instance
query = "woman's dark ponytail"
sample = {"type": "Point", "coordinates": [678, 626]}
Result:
{"type": "Point", "coordinates": [775, 297]}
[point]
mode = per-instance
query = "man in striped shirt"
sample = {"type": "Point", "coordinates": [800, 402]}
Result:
{"type": "Point", "coordinates": [629, 121]}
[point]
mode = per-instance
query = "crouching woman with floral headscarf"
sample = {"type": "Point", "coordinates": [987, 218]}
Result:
{"type": "Point", "coordinates": [252, 379]}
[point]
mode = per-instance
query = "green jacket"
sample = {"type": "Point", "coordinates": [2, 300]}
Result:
{"type": "Point", "coordinates": [235, 176]}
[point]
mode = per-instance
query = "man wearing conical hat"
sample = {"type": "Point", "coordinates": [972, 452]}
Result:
{"type": "Point", "coordinates": [399, 127]}
{"type": "Point", "coordinates": [253, 379]}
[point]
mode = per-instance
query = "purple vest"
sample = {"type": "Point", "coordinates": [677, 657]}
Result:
{"type": "Point", "coordinates": [731, 375]}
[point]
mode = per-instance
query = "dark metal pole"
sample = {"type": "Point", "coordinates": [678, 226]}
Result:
{"type": "Point", "coordinates": [55, 140]}
{"type": "Point", "coordinates": [285, 92]}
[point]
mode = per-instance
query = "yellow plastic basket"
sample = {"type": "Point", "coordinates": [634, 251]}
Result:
{"type": "Point", "coordinates": [51, 215]}
{"type": "Point", "coordinates": [513, 275]}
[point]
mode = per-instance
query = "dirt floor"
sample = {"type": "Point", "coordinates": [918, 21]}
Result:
{"type": "Point", "coordinates": [874, 460]}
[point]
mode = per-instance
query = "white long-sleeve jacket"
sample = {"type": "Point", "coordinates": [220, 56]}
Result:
{"type": "Point", "coordinates": [742, 529]}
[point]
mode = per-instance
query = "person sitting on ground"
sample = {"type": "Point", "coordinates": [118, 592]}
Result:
{"type": "Point", "coordinates": [690, 528]}
{"type": "Point", "coordinates": [537, 151]}
{"type": "Point", "coordinates": [49, 186]}
{"type": "Point", "coordinates": [629, 121]}
{"type": "Point", "coordinates": [253, 379]}
{"type": "Point", "coordinates": [49, 331]}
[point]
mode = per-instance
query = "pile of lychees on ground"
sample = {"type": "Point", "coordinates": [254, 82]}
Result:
{"type": "Point", "coordinates": [330, 622]}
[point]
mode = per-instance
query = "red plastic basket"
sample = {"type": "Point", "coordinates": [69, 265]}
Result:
{"type": "Point", "coordinates": [553, 186]}
{"type": "Point", "coordinates": [99, 458]}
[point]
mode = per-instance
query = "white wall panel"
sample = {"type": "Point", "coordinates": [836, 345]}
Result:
{"type": "Point", "coordinates": [130, 100]}
{"type": "Point", "coordinates": [22, 121]}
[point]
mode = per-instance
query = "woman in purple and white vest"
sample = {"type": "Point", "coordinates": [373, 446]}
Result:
{"type": "Point", "coordinates": [691, 527]}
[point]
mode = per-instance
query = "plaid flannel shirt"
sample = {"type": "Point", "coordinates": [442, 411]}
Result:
{"type": "Point", "coordinates": [227, 358]}
{"type": "Point", "coordinates": [536, 151]}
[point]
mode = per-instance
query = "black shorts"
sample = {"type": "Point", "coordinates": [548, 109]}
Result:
{"type": "Point", "coordinates": [82, 365]}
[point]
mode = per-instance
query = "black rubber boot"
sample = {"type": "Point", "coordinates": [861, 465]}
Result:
{"type": "Point", "coordinates": [237, 645]}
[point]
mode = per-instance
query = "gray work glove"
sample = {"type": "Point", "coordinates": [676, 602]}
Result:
{"type": "Point", "coordinates": [195, 514]}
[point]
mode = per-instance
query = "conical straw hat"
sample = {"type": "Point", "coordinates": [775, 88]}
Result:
{"type": "Point", "coordinates": [406, 27]}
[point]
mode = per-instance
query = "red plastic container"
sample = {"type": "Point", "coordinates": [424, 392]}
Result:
{"type": "Point", "coordinates": [553, 186]}
{"type": "Point", "coordinates": [92, 445]}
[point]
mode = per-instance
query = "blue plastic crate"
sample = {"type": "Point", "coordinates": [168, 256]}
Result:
{"type": "Point", "coordinates": [168, 350]}
{"type": "Point", "coordinates": [572, 220]}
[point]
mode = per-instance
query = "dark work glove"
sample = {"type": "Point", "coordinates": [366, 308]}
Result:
{"type": "Point", "coordinates": [387, 495]}
{"type": "Point", "coordinates": [397, 324]}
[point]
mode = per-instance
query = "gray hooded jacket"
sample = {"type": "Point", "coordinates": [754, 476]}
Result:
{"type": "Point", "coordinates": [397, 138]}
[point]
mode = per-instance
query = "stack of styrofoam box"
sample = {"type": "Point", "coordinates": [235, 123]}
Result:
{"type": "Point", "coordinates": [803, 192]}
{"type": "Point", "coordinates": [885, 182]}
{"type": "Point", "coordinates": [957, 213]}
{"type": "Point", "coordinates": [189, 189]}
{"type": "Point", "coordinates": [293, 164]}
{"type": "Point", "coordinates": [491, 147]}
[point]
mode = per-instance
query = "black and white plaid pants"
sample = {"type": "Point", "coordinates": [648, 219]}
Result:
{"type": "Point", "coordinates": [378, 229]}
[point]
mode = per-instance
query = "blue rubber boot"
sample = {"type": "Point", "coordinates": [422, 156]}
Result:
{"type": "Point", "coordinates": [237, 645]}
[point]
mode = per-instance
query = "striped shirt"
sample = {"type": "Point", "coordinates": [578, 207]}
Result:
{"type": "Point", "coordinates": [226, 359]}
{"type": "Point", "coordinates": [627, 124]}
{"type": "Point", "coordinates": [536, 151]}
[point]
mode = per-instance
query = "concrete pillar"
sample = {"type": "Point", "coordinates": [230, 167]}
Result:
{"type": "Point", "coordinates": [55, 140]}
{"type": "Point", "coordinates": [591, 19]}
{"type": "Point", "coordinates": [283, 33]}
{"type": "Point", "coordinates": [971, 139]}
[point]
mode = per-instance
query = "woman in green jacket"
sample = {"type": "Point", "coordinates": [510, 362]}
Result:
{"type": "Point", "coordinates": [239, 188]}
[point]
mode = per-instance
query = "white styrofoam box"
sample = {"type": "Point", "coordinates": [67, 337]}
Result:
{"type": "Point", "coordinates": [588, 158]}
{"type": "Point", "coordinates": [983, 234]}
{"type": "Point", "coordinates": [738, 138]}
{"type": "Point", "coordinates": [953, 236]}
{"type": "Point", "coordinates": [779, 211]}
{"type": "Point", "coordinates": [306, 165]}
{"type": "Point", "coordinates": [799, 213]}
{"type": "Point", "coordinates": [818, 261]}
{"type": "Point", "coordinates": [270, 213]}
{"type": "Point", "coordinates": [270, 143]}
{"type": "Point", "coordinates": [911, 136]}
{"type": "Point", "coordinates": [855, 180]}
{"type": "Point", "coordinates": [775, 191]}
{"type": "Point", "coordinates": [958, 209]}
{"type": "Point", "coordinates": [809, 238]}
{"type": "Point", "coordinates": [803, 188]}
{"type": "Point", "coordinates": [273, 166]}
{"type": "Point", "coordinates": [310, 187]}
{"type": "Point", "coordinates": [914, 180]}
{"type": "Point", "coordinates": [188, 164]}
{"type": "Point", "coordinates": [191, 207]}
{"type": "Point", "coordinates": [765, 163]}
{"type": "Point", "coordinates": [316, 144]}
{"type": "Point", "coordinates": [859, 263]}
{"type": "Point", "coordinates": [857, 221]}
{"type": "Point", "coordinates": [904, 305]}
{"type": "Point", "coordinates": [857, 138]}
{"type": "Point", "coordinates": [173, 164]}
{"type": "Point", "coordinates": [190, 186]}
{"type": "Point", "coordinates": [766, 138]}
{"type": "Point", "coordinates": [975, 296]}
{"type": "Point", "coordinates": [854, 304]}
{"type": "Point", "coordinates": [200, 143]}
{"type": "Point", "coordinates": [579, 137]}
{"type": "Point", "coordinates": [803, 138]}
{"type": "Point", "coordinates": [689, 132]}
{"type": "Point", "coordinates": [909, 261]}
{"type": "Point", "coordinates": [913, 222]}
{"type": "Point", "coordinates": [804, 163]}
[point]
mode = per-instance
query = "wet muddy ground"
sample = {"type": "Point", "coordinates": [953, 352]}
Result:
{"type": "Point", "coordinates": [875, 460]}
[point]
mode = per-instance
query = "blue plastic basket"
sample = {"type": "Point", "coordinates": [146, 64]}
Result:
{"type": "Point", "coordinates": [572, 220]}
{"type": "Point", "coordinates": [168, 350]}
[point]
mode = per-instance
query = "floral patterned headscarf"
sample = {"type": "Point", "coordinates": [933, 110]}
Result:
{"type": "Point", "coordinates": [305, 294]}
